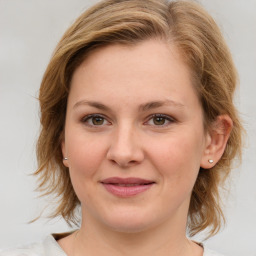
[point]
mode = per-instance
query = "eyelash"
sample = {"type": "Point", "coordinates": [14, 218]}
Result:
{"type": "Point", "coordinates": [165, 117]}
{"type": "Point", "coordinates": [86, 119]}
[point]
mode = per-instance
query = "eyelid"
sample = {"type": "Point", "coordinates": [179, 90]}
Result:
{"type": "Point", "coordinates": [167, 117]}
{"type": "Point", "coordinates": [87, 117]}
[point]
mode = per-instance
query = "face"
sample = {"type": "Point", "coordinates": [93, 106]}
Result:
{"type": "Point", "coordinates": [134, 136]}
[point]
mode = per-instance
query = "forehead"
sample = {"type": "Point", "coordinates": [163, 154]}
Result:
{"type": "Point", "coordinates": [154, 55]}
{"type": "Point", "coordinates": [148, 66]}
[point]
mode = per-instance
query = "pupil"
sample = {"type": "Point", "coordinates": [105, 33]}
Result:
{"type": "Point", "coordinates": [97, 120]}
{"type": "Point", "coordinates": [159, 120]}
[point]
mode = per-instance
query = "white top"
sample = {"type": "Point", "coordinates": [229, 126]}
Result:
{"type": "Point", "coordinates": [50, 247]}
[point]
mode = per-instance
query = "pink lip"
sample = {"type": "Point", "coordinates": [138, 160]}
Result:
{"type": "Point", "coordinates": [126, 187]}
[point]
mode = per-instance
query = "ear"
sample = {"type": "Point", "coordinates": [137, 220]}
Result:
{"type": "Point", "coordinates": [64, 153]}
{"type": "Point", "coordinates": [216, 141]}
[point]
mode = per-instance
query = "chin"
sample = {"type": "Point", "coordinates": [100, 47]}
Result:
{"type": "Point", "coordinates": [129, 228]}
{"type": "Point", "coordinates": [129, 223]}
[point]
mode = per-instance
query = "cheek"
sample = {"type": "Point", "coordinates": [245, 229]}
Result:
{"type": "Point", "coordinates": [85, 154]}
{"type": "Point", "coordinates": [85, 159]}
{"type": "Point", "coordinates": [178, 156]}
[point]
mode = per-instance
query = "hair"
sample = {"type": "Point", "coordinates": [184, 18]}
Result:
{"type": "Point", "coordinates": [193, 31]}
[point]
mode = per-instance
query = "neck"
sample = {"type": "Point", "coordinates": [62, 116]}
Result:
{"type": "Point", "coordinates": [169, 238]}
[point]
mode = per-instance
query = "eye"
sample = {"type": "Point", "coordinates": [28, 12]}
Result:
{"type": "Point", "coordinates": [160, 120]}
{"type": "Point", "coordinates": [95, 120]}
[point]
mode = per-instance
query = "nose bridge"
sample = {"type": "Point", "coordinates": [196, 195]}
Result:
{"type": "Point", "coordinates": [126, 138]}
{"type": "Point", "coordinates": [125, 148]}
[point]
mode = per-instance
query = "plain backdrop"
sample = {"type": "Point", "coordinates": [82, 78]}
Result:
{"type": "Point", "coordinates": [29, 31]}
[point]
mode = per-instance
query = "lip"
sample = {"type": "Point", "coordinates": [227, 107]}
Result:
{"type": "Point", "coordinates": [126, 187]}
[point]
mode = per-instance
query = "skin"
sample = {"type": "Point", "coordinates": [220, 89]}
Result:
{"type": "Point", "coordinates": [119, 83]}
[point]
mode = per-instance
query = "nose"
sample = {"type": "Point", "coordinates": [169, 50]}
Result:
{"type": "Point", "coordinates": [125, 149]}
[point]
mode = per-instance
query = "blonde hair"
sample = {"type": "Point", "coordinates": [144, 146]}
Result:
{"type": "Point", "coordinates": [182, 23]}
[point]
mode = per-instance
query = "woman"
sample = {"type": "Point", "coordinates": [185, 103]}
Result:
{"type": "Point", "coordinates": [138, 130]}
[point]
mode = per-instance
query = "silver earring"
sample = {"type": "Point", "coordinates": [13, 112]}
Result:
{"type": "Point", "coordinates": [65, 158]}
{"type": "Point", "coordinates": [210, 161]}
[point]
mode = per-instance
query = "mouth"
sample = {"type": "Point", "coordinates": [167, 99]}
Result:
{"type": "Point", "coordinates": [126, 187]}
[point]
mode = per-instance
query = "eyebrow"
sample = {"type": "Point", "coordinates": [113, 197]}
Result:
{"type": "Point", "coordinates": [143, 107]}
{"type": "Point", "coordinates": [92, 104]}
{"type": "Point", "coordinates": [157, 104]}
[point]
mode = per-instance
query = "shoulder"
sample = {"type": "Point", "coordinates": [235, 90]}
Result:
{"type": "Point", "coordinates": [48, 247]}
{"type": "Point", "coordinates": [208, 252]}
{"type": "Point", "coordinates": [35, 249]}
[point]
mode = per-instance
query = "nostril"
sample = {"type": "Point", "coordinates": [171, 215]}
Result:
{"type": "Point", "coordinates": [113, 161]}
{"type": "Point", "coordinates": [123, 164]}
{"type": "Point", "coordinates": [125, 156]}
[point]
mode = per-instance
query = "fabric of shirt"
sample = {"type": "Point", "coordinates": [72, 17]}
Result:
{"type": "Point", "coordinates": [50, 247]}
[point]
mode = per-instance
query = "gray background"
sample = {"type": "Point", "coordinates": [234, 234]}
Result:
{"type": "Point", "coordinates": [29, 31]}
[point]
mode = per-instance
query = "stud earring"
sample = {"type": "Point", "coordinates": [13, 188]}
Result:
{"type": "Point", "coordinates": [65, 158]}
{"type": "Point", "coordinates": [210, 161]}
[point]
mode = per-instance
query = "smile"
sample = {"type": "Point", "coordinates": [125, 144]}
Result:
{"type": "Point", "coordinates": [127, 187]}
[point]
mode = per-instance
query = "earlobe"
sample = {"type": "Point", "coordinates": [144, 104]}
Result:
{"type": "Point", "coordinates": [64, 154]}
{"type": "Point", "coordinates": [216, 141]}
